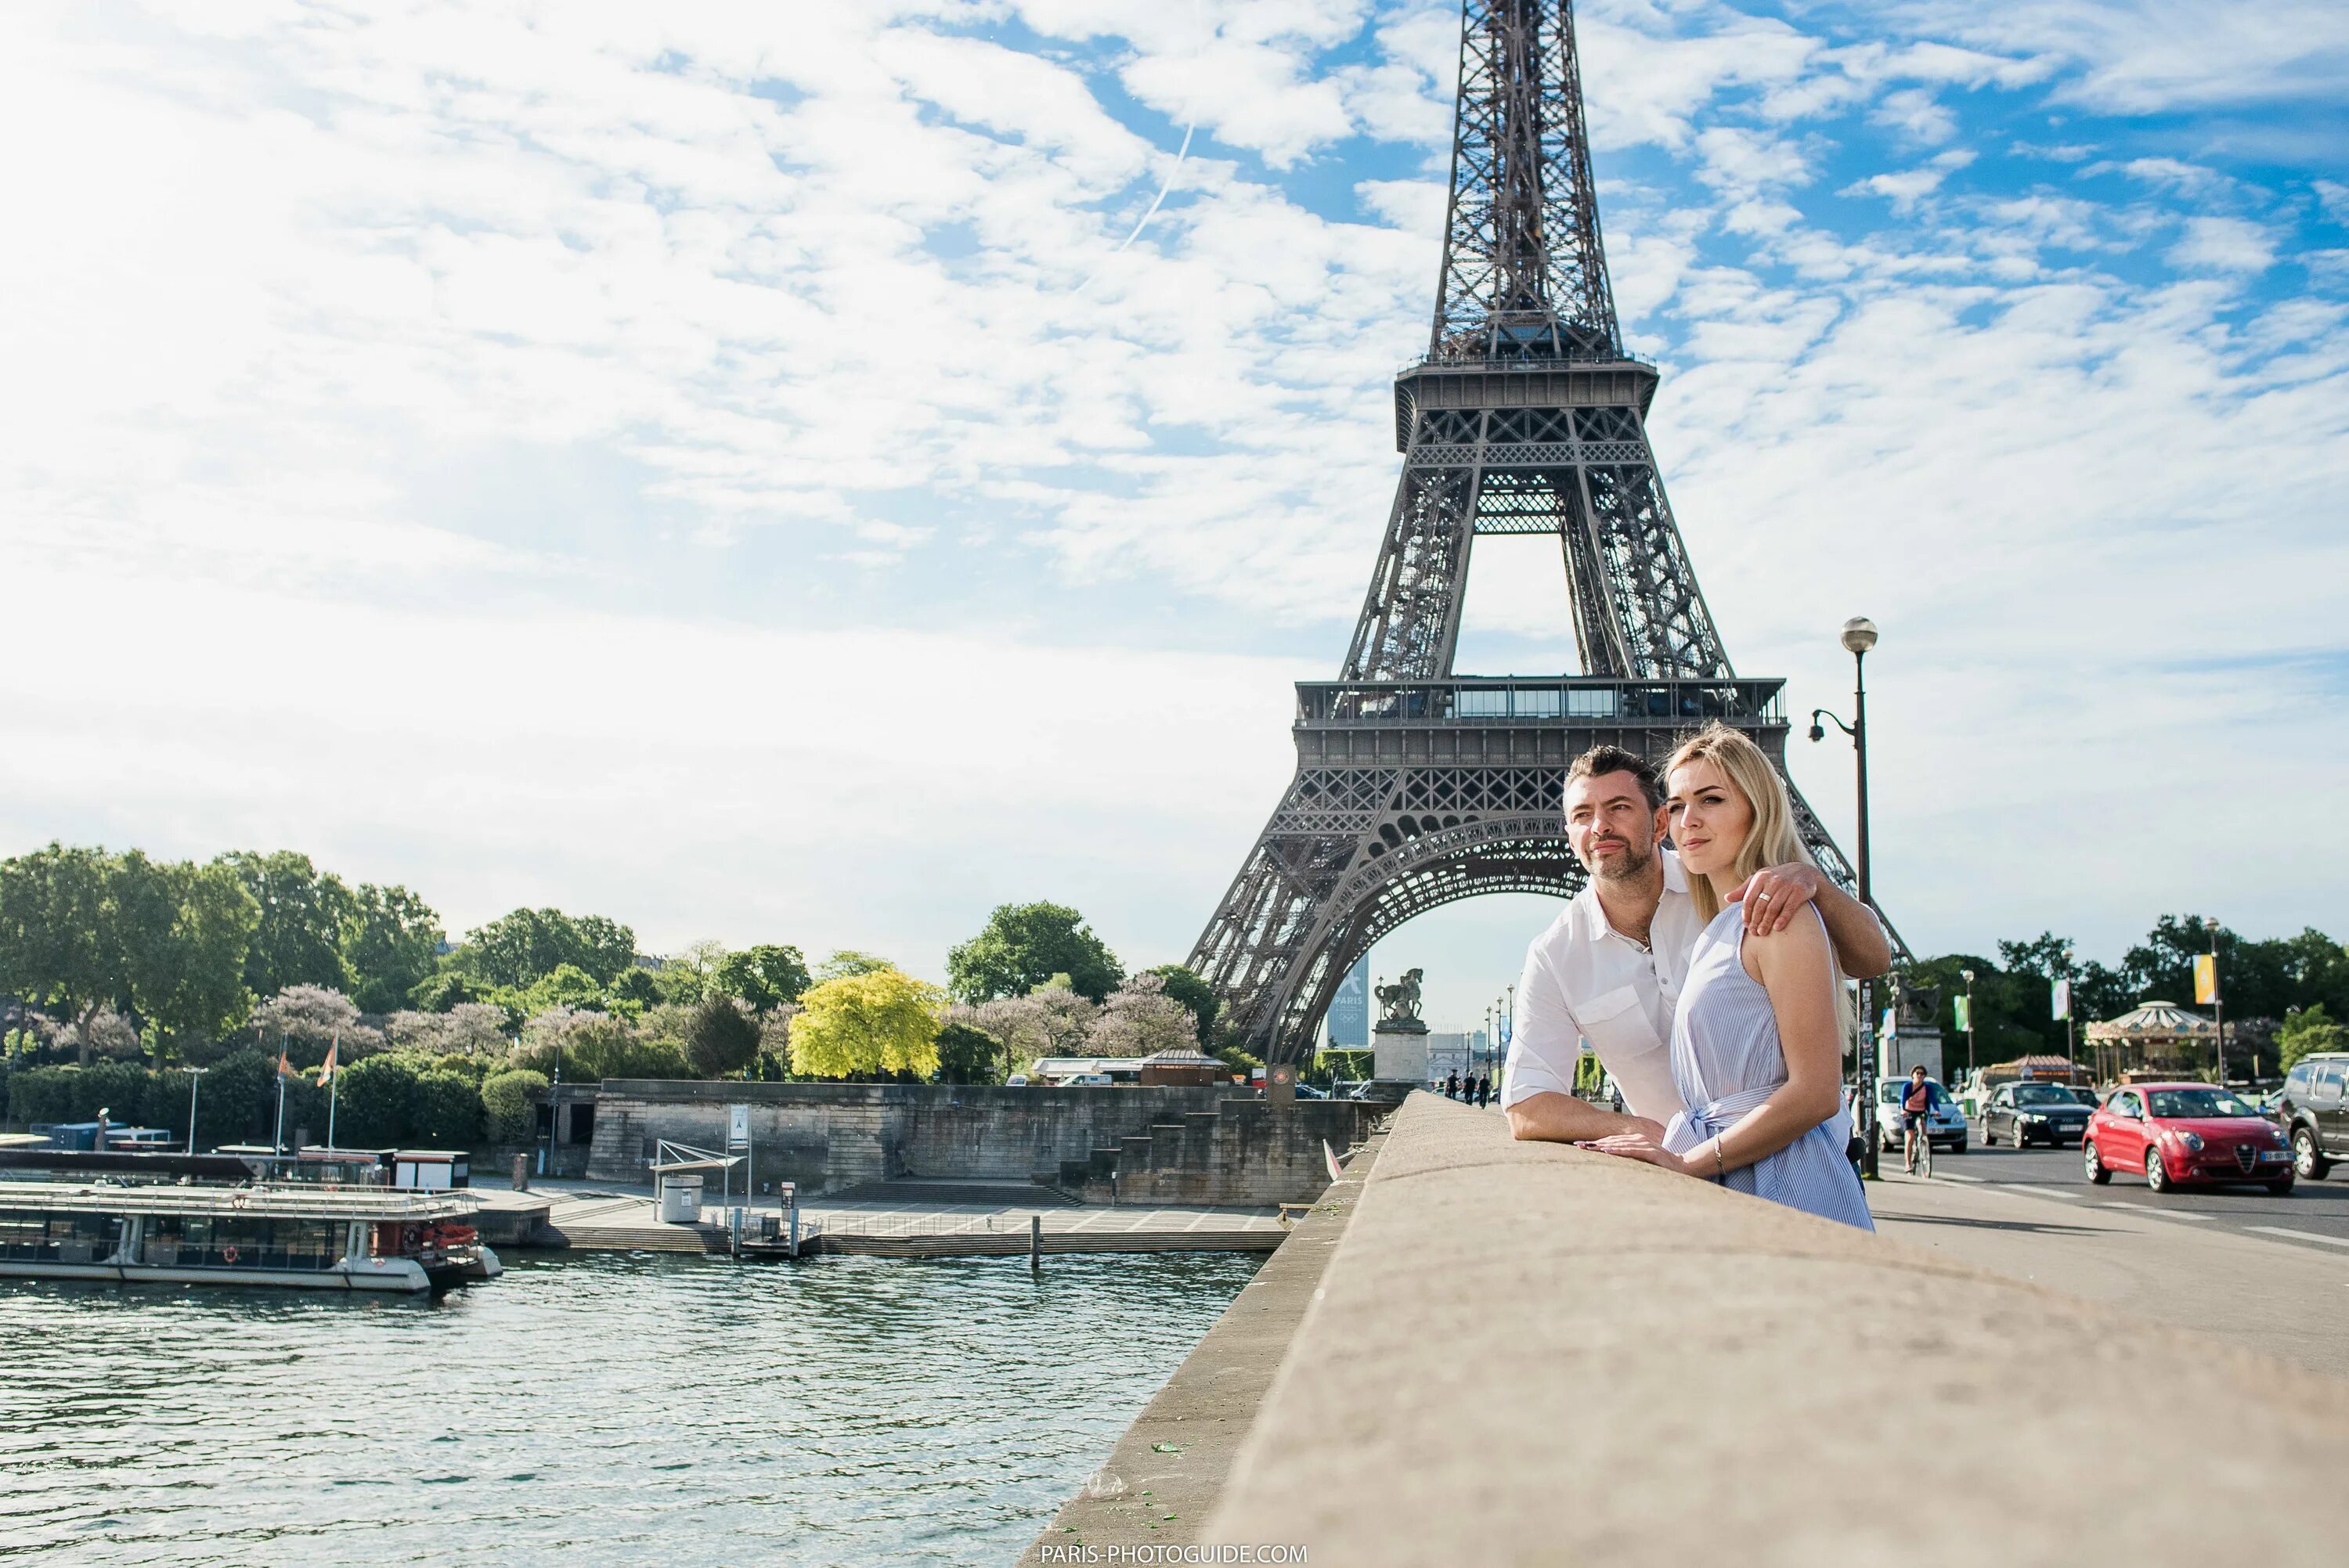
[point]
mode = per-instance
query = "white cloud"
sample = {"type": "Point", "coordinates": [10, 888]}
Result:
{"type": "Point", "coordinates": [2137, 57]}
{"type": "Point", "coordinates": [2224, 245]}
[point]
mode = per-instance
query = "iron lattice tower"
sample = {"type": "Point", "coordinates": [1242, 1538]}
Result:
{"type": "Point", "coordinates": [1416, 787]}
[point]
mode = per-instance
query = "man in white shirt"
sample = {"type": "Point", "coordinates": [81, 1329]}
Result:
{"type": "Point", "coordinates": [1609, 969]}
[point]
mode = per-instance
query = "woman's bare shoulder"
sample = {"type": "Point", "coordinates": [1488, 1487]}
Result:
{"type": "Point", "coordinates": [1802, 944]}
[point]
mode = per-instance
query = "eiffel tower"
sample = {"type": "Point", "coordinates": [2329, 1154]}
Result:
{"type": "Point", "coordinates": [1416, 786]}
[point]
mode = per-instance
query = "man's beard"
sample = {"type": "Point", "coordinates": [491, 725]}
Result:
{"type": "Point", "coordinates": [1632, 863]}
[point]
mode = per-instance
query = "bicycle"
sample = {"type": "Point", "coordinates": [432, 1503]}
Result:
{"type": "Point", "coordinates": [1921, 1145]}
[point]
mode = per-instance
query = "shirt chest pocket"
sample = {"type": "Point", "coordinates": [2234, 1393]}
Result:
{"type": "Point", "coordinates": [1616, 1026]}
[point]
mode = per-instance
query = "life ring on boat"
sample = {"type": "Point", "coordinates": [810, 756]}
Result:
{"type": "Point", "coordinates": [228, 1254]}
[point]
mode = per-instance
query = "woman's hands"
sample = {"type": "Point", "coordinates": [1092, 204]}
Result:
{"type": "Point", "coordinates": [1641, 1146]}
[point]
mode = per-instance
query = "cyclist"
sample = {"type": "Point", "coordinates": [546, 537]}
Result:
{"type": "Point", "coordinates": [1916, 1115]}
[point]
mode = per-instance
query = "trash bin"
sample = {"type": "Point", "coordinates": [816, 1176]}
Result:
{"type": "Point", "coordinates": [681, 1203]}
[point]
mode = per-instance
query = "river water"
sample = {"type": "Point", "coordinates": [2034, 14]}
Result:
{"type": "Point", "coordinates": [596, 1409]}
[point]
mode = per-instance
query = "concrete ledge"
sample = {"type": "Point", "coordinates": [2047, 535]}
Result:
{"type": "Point", "coordinates": [1525, 1353]}
{"type": "Point", "coordinates": [1179, 1450]}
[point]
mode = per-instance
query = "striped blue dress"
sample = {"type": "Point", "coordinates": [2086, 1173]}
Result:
{"type": "Point", "coordinates": [1726, 1059]}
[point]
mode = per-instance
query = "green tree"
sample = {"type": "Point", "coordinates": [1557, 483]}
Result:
{"type": "Point", "coordinates": [863, 1025]}
{"type": "Point", "coordinates": [967, 1055]}
{"type": "Point", "coordinates": [848, 962]}
{"type": "Point", "coordinates": [303, 912]}
{"type": "Point", "coordinates": [447, 1111]}
{"type": "Point", "coordinates": [1185, 986]}
{"type": "Point", "coordinates": [379, 1102]}
{"type": "Point", "coordinates": [235, 1094]}
{"type": "Point", "coordinates": [1023, 946]}
{"type": "Point", "coordinates": [447, 991]}
{"type": "Point", "coordinates": [507, 1109]}
{"type": "Point", "coordinates": [2098, 992]}
{"type": "Point", "coordinates": [721, 1036]}
{"type": "Point", "coordinates": [517, 949]}
{"type": "Point", "coordinates": [57, 943]}
{"type": "Point", "coordinates": [635, 990]}
{"type": "Point", "coordinates": [390, 943]}
{"type": "Point", "coordinates": [184, 931]}
{"type": "Point", "coordinates": [2307, 1032]}
{"type": "Point", "coordinates": [765, 976]}
{"type": "Point", "coordinates": [567, 987]}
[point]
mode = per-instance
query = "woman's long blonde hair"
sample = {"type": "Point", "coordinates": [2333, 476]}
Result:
{"type": "Point", "coordinates": [1772, 840]}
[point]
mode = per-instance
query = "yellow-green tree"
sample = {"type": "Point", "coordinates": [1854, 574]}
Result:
{"type": "Point", "coordinates": [883, 1021]}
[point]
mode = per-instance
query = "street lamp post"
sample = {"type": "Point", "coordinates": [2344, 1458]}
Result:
{"type": "Point", "coordinates": [1969, 976]}
{"type": "Point", "coordinates": [2218, 1002]}
{"type": "Point", "coordinates": [193, 1074]}
{"type": "Point", "coordinates": [1858, 636]}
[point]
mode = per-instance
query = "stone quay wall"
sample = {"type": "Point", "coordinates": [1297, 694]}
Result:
{"type": "Point", "coordinates": [1123, 1144]}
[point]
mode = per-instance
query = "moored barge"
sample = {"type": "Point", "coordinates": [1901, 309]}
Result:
{"type": "Point", "coordinates": [305, 1237]}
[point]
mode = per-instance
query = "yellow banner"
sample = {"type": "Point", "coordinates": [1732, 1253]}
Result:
{"type": "Point", "coordinates": [2206, 980]}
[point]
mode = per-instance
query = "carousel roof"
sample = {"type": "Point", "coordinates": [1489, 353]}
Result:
{"type": "Point", "coordinates": [2154, 1021]}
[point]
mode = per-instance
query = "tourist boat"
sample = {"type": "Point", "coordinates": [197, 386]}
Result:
{"type": "Point", "coordinates": [306, 1237]}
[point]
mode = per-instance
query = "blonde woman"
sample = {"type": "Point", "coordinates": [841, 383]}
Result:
{"type": "Point", "coordinates": [1758, 1039]}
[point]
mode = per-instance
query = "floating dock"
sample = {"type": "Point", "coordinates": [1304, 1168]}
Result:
{"type": "Point", "coordinates": [877, 1224]}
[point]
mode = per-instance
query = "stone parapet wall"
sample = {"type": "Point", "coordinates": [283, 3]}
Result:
{"type": "Point", "coordinates": [826, 1137]}
{"type": "Point", "coordinates": [1524, 1353]}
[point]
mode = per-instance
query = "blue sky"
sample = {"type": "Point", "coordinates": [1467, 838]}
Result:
{"type": "Point", "coordinates": [737, 469]}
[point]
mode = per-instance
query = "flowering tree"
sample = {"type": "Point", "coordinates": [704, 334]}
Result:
{"type": "Point", "coordinates": [1141, 1020]}
{"type": "Point", "coordinates": [308, 1018]}
{"type": "Point", "coordinates": [470, 1028]}
{"type": "Point", "coordinates": [1052, 1021]}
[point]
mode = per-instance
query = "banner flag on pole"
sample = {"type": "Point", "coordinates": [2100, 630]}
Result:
{"type": "Point", "coordinates": [2063, 1000]}
{"type": "Point", "coordinates": [2205, 979]}
{"type": "Point", "coordinates": [284, 1067]}
{"type": "Point", "coordinates": [1963, 1009]}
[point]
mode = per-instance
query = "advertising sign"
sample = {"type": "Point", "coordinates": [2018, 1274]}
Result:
{"type": "Point", "coordinates": [1349, 1019]}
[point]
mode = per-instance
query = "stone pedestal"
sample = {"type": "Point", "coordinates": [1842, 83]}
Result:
{"type": "Point", "coordinates": [1399, 1051]}
{"type": "Point", "coordinates": [1911, 1046]}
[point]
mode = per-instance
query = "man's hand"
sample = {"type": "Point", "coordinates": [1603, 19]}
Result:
{"type": "Point", "coordinates": [1774, 893]}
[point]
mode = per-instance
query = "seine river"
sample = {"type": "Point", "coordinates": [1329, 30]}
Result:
{"type": "Point", "coordinates": [602, 1408]}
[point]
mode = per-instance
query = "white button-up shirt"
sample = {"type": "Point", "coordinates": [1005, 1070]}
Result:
{"type": "Point", "coordinates": [1583, 980]}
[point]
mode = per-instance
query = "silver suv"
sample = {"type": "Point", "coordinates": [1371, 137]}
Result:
{"type": "Point", "coordinates": [2314, 1107]}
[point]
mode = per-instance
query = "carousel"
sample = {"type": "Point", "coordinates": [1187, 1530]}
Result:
{"type": "Point", "coordinates": [2156, 1039]}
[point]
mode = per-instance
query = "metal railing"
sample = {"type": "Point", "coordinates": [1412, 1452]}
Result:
{"type": "Point", "coordinates": [1540, 701]}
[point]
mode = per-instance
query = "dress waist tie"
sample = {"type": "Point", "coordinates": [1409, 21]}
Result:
{"type": "Point", "coordinates": [1691, 1128]}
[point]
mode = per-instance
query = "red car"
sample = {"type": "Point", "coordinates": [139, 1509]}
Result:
{"type": "Point", "coordinates": [2179, 1133]}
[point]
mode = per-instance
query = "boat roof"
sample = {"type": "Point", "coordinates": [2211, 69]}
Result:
{"type": "Point", "coordinates": [286, 1203]}
{"type": "Point", "coordinates": [229, 1169]}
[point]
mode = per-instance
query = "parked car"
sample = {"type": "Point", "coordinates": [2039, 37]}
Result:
{"type": "Point", "coordinates": [2312, 1107]}
{"type": "Point", "coordinates": [1017, 1080]}
{"type": "Point", "coordinates": [2086, 1096]}
{"type": "Point", "coordinates": [2027, 1113]}
{"type": "Point", "coordinates": [1307, 1091]}
{"type": "Point", "coordinates": [2181, 1133]}
{"type": "Point", "coordinates": [1947, 1127]}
